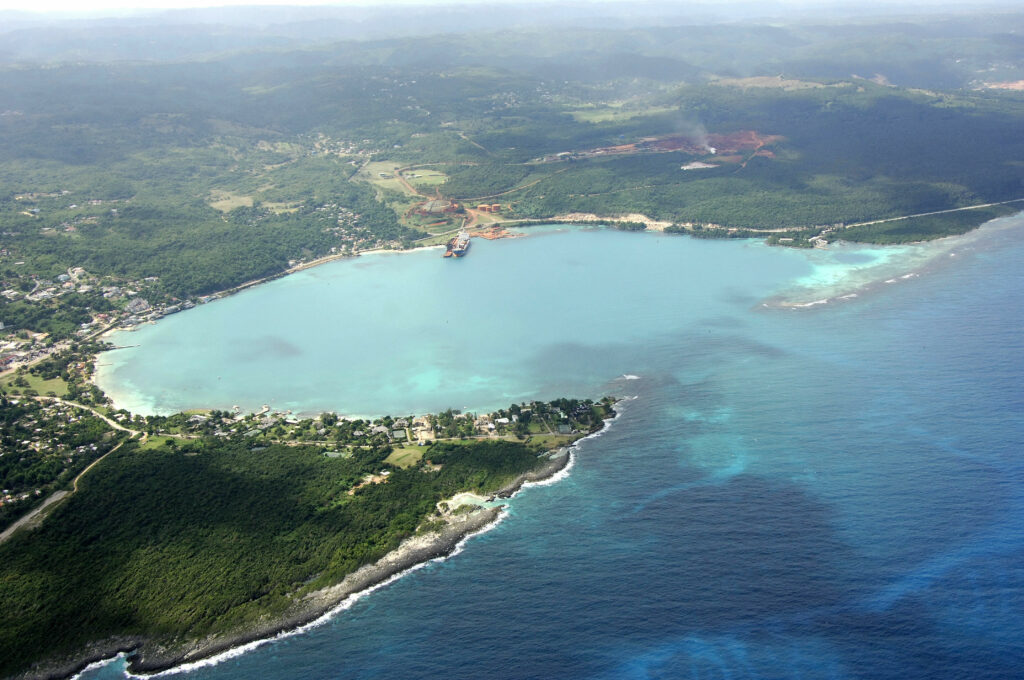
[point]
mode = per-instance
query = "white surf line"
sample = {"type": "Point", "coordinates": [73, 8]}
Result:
{"type": "Point", "coordinates": [352, 599]}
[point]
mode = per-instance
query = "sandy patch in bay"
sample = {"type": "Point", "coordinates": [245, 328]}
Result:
{"type": "Point", "coordinates": [652, 224]}
{"type": "Point", "coordinates": [1012, 85]}
{"type": "Point", "coordinates": [466, 498]}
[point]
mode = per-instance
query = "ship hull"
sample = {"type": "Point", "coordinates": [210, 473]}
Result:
{"type": "Point", "coordinates": [458, 246]}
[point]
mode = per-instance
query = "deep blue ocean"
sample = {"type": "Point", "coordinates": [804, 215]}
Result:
{"type": "Point", "coordinates": [834, 491]}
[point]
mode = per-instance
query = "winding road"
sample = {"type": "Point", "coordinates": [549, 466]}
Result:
{"type": "Point", "coordinates": [33, 519]}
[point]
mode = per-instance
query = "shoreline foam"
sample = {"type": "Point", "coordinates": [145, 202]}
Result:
{"type": "Point", "coordinates": [908, 262]}
{"type": "Point", "coordinates": [319, 607]}
{"type": "Point", "coordinates": [151, 658]}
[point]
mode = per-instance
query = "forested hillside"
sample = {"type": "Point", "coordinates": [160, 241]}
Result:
{"type": "Point", "coordinates": [211, 169]}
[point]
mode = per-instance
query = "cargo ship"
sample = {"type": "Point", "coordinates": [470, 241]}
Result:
{"type": "Point", "coordinates": [458, 246]}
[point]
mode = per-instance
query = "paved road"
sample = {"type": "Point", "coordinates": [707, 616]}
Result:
{"type": "Point", "coordinates": [113, 423]}
{"type": "Point", "coordinates": [32, 515]}
{"type": "Point", "coordinates": [937, 212]}
{"type": "Point", "coordinates": [33, 519]}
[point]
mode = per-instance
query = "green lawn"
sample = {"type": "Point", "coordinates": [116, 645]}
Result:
{"type": "Point", "coordinates": [43, 387]}
{"type": "Point", "coordinates": [549, 441]}
{"type": "Point", "coordinates": [426, 178]}
{"type": "Point", "coordinates": [226, 201]}
{"type": "Point", "coordinates": [372, 173]}
{"type": "Point", "coordinates": [406, 456]}
{"type": "Point", "coordinates": [157, 442]}
{"type": "Point", "coordinates": [604, 114]}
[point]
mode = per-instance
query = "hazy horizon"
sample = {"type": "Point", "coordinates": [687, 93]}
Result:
{"type": "Point", "coordinates": [72, 9]}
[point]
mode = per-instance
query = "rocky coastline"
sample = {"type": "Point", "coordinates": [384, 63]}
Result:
{"type": "Point", "coordinates": [150, 656]}
{"type": "Point", "coordinates": [556, 462]}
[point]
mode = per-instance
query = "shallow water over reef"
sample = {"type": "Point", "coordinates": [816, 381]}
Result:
{"type": "Point", "coordinates": [561, 311]}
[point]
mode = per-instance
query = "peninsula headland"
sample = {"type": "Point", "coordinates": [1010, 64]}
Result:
{"type": "Point", "coordinates": [203, 532]}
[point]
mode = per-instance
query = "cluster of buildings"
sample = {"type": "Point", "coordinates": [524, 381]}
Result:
{"type": "Point", "coordinates": [383, 430]}
{"type": "Point", "coordinates": [421, 430]}
{"type": "Point", "coordinates": [43, 432]}
{"type": "Point", "coordinates": [9, 497]}
{"type": "Point", "coordinates": [76, 280]}
{"type": "Point", "coordinates": [323, 145]}
{"type": "Point", "coordinates": [15, 352]}
{"type": "Point", "coordinates": [344, 224]}
{"type": "Point", "coordinates": [488, 424]}
{"type": "Point", "coordinates": [437, 206]}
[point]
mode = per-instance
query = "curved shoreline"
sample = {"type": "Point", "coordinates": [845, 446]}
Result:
{"type": "Point", "coordinates": [155, 657]}
{"type": "Point", "coordinates": [912, 260]}
{"type": "Point", "coordinates": [794, 296]}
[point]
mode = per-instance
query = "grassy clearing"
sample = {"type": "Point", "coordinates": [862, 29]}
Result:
{"type": "Point", "coordinates": [426, 178]}
{"type": "Point", "coordinates": [382, 174]}
{"type": "Point", "coordinates": [281, 208]}
{"type": "Point", "coordinates": [549, 441]}
{"type": "Point", "coordinates": [434, 225]}
{"type": "Point", "coordinates": [403, 203]}
{"type": "Point", "coordinates": [488, 218]}
{"type": "Point", "coordinates": [156, 442]}
{"type": "Point", "coordinates": [616, 112]}
{"type": "Point", "coordinates": [226, 201]}
{"type": "Point", "coordinates": [43, 387]}
{"type": "Point", "coordinates": [406, 456]}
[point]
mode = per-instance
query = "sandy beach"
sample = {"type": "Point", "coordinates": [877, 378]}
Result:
{"type": "Point", "coordinates": [650, 223]}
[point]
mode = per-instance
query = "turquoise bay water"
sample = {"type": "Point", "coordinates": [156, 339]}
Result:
{"type": "Point", "coordinates": [558, 312]}
{"type": "Point", "coordinates": [826, 491]}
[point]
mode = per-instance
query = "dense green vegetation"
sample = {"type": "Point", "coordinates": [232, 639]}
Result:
{"type": "Point", "coordinates": [208, 171]}
{"type": "Point", "coordinates": [922, 228]}
{"type": "Point", "coordinates": [58, 318]}
{"type": "Point", "coordinates": [141, 174]}
{"type": "Point", "coordinates": [188, 534]}
{"type": "Point", "coordinates": [848, 154]}
{"type": "Point", "coordinates": [206, 535]}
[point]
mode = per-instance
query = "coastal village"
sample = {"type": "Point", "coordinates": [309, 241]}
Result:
{"type": "Point", "coordinates": [57, 426]}
{"type": "Point", "coordinates": [49, 441]}
{"type": "Point", "coordinates": [57, 423]}
{"type": "Point", "coordinates": [43, 445]}
{"type": "Point", "coordinates": [540, 421]}
{"type": "Point", "coordinates": [374, 497]}
{"type": "Point", "coordinates": [82, 304]}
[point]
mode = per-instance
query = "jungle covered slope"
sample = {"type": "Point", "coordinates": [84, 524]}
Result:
{"type": "Point", "coordinates": [204, 170]}
{"type": "Point", "coordinates": [176, 542]}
